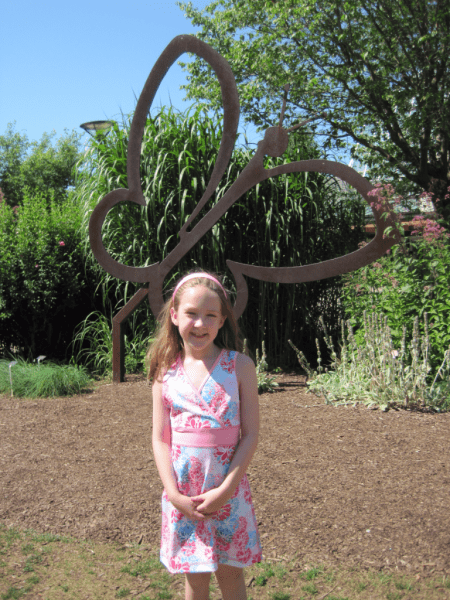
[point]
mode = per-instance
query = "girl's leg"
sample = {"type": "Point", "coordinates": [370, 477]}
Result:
{"type": "Point", "coordinates": [231, 582]}
{"type": "Point", "coordinates": [197, 586]}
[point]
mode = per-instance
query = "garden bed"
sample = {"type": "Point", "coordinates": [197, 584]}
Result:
{"type": "Point", "coordinates": [347, 485]}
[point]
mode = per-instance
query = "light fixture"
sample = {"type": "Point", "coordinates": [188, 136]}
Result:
{"type": "Point", "coordinates": [92, 127]}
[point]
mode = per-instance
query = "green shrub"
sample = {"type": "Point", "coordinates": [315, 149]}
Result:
{"type": "Point", "coordinates": [409, 282]}
{"type": "Point", "coordinates": [44, 289]}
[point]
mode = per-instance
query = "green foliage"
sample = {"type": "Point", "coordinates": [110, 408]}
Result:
{"type": "Point", "coordinates": [313, 573]}
{"type": "Point", "coordinates": [380, 71]}
{"type": "Point", "coordinates": [286, 221]}
{"type": "Point", "coordinates": [377, 373]}
{"type": "Point", "coordinates": [411, 281]}
{"type": "Point", "coordinates": [140, 568]}
{"type": "Point", "coordinates": [267, 573]}
{"type": "Point", "coordinates": [45, 169]}
{"type": "Point", "coordinates": [42, 381]}
{"type": "Point", "coordinates": [44, 289]}
{"type": "Point", "coordinates": [92, 345]}
{"type": "Point", "coordinates": [266, 382]}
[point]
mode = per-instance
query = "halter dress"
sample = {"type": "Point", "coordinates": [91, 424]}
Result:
{"type": "Point", "coordinates": [200, 420]}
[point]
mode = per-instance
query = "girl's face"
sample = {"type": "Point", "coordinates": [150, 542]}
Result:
{"type": "Point", "coordinates": [198, 318]}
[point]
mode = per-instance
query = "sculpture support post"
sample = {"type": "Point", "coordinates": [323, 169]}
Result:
{"type": "Point", "coordinates": [118, 334]}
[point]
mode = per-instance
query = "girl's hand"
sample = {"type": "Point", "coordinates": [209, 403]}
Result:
{"type": "Point", "coordinates": [186, 506]}
{"type": "Point", "coordinates": [210, 502]}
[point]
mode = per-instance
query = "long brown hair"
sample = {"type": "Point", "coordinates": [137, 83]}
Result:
{"type": "Point", "coordinates": [164, 350]}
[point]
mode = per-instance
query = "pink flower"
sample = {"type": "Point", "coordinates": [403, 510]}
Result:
{"type": "Point", "coordinates": [61, 243]}
{"type": "Point", "coordinates": [393, 281]}
{"type": "Point", "coordinates": [37, 266]}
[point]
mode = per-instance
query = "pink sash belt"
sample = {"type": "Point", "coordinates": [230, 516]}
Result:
{"type": "Point", "coordinates": [207, 437]}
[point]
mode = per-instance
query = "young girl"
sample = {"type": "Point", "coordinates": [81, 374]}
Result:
{"type": "Point", "coordinates": [204, 393]}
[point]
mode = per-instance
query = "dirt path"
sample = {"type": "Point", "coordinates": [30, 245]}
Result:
{"type": "Point", "coordinates": [332, 484]}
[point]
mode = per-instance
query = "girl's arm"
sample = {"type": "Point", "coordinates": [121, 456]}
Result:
{"type": "Point", "coordinates": [249, 409]}
{"type": "Point", "coordinates": [210, 502]}
{"type": "Point", "coordinates": [163, 459]}
{"type": "Point", "coordinates": [161, 445]}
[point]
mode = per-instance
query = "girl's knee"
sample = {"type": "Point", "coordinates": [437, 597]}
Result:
{"type": "Point", "coordinates": [198, 580]}
{"type": "Point", "coordinates": [228, 575]}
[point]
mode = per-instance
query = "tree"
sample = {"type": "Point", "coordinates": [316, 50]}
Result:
{"type": "Point", "coordinates": [379, 69]}
{"type": "Point", "coordinates": [41, 166]}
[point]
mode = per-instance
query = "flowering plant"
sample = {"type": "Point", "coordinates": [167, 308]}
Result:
{"type": "Point", "coordinates": [408, 282]}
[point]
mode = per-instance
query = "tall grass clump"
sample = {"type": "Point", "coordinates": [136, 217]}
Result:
{"type": "Point", "coordinates": [92, 346]}
{"type": "Point", "coordinates": [379, 373]}
{"type": "Point", "coordinates": [30, 380]}
{"type": "Point", "coordinates": [291, 220]}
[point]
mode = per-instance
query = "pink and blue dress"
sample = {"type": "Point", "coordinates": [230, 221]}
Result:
{"type": "Point", "coordinates": [205, 425]}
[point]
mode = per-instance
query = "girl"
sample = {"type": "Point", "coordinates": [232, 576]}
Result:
{"type": "Point", "coordinates": [204, 392]}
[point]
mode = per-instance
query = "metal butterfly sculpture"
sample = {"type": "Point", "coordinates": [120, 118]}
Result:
{"type": "Point", "coordinates": [274, 144]}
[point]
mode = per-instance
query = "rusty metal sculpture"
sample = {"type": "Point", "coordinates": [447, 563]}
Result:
{"type": "Point", "coordinates": [274, 144]}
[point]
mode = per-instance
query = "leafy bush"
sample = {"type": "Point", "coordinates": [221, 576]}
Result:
{"type": "Point", "coordinates": [376, 372]}
{"type": "Point", "coordinates": [44, 380]}
{"type": "Point", "coordinates": [409, 282]}
{"type": "Point", "coordinates": [44, 289]}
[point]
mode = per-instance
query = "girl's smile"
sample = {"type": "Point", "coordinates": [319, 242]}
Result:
{"type": "Point", "coordinates": [198, 318]}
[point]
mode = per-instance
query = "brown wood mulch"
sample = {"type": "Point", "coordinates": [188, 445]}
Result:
{"type": "Point", "coordinates": [330, 484]}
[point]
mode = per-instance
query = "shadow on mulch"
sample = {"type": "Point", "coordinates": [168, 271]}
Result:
{"type": "Point", "coordinates": [330, 484]}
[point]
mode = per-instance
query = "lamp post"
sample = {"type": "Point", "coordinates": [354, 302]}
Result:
{"type": "Point", "coordinates": [92, 127]}
{"type": "Point", "coordinates": [11, 364]}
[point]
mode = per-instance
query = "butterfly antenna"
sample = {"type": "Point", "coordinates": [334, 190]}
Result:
{"type": "Point", "coordinates": [324, 114]}
{"type": "Point", "coordinates": [283, 108]}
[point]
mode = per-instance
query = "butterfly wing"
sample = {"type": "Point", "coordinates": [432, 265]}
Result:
{"type": "Point", "coordinates": [328, 268]}
{"type": "Point", "coordinates": [152, 273]}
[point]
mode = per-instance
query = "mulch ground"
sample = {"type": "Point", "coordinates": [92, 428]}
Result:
{"type": "Point", "coordinates": [330, 484]}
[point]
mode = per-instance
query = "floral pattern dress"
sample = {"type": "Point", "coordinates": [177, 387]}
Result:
{"type": "Point", "coordinates": [231, 535]}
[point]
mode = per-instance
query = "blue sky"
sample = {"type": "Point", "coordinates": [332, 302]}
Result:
{"type": "Point", "coordinates": [66, 63]}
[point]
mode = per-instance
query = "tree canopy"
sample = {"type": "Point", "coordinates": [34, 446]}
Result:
{"type": "Point", "coordinates": [42, 167]}
{"type": "Point", "coordinates": [380, 70]}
